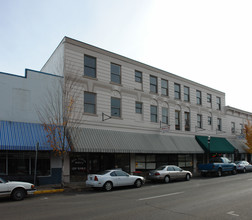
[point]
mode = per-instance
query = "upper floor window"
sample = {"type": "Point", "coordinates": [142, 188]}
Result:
{"type": "Point", "coordinates": [165, 115]}
{"type": "Point", "coordinates": [154, 116]}
{"type": "Point", "coordinates": [139, 107]}
{"type": "Point", "coordinates": [199, 121]}
{"type": "Point", "coordinates": [219, 124]}
{"type": "Point", "coordinates": [153, 84]}
{"type": "Point", "coordinates": [164, 87]}
{"type": "Point", "coordinates": [138, 76]}
{"type": "Point", "coordinates": [186, 94]}
{"type": "Point", "coordinates": [115, 107]}
{"type": "Point", "coordinates": [177, 120]}
{"type": "Point", "coordinates": [89, 66]}
{"type": "Point", "coordinates": [90, 102]}
{"type": "Point", "coordinates": [209, 120]}
{"type": "Point", "coordinates": [209, 98]}
{"type": "Point", "coordinates": [218, 102]}
{"type": "Point", "coordinates": [115, 73]}
{"type": "Point", "coordinates": [198, 96]}
{"type": "Point", "coordinates": [187, 121]}
{"type": "Point", "coordinates": [177, 91]}
{"type": "Point", "coordinates": [233, 127]}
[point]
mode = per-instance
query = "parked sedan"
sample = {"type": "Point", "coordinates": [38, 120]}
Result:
{"type": "Point", "coordinates": [15, 189]}
{"type": "Point", "coordinates": [243, 166]}
{"type": "Point", "coordinates": [167, 173]}
{"type": "Point", "coordinates": [109, 179]}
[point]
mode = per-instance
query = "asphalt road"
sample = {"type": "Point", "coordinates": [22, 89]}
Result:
{"type": "Point", "coordinates": [227, 197]}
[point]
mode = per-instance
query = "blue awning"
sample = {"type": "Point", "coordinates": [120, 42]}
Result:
{"type": "Point", "coordinates": [22, 136]}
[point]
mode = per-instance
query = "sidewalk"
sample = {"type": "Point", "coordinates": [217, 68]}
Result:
{"type": "Point", "coordinates": [55, 188]}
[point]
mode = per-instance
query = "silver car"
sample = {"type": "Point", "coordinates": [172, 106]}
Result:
{"type": "Point", "coordinates": [243, 166]}
{"type": "Point", "coordinates": [109, 179]}
{"type": "Point", "coordinates": [167, 173]}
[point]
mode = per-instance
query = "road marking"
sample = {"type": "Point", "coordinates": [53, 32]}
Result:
{"type": "Point", "coordinates": [232, 213]}
{"type": "Point", "coordinates": [250, 179]}
{"type": "Point", "coordinates": [155, 197]}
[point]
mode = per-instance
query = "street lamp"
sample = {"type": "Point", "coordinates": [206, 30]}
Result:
{"type": "Point", "coordinates": [208, 142]}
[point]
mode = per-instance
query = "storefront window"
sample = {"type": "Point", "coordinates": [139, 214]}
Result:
{"type": "Point", "coordinates": [185, 160]}
{"type": "Point", "coordinates": [2, 163]}
{"type": "Point", "coordinates": [145, 162]}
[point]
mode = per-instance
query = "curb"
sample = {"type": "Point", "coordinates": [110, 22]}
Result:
{"type": "Point", "coordinates": [48, 191]}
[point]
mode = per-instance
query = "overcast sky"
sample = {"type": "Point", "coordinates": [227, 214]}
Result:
{"type": "Point", "coordinates": [209, 42]}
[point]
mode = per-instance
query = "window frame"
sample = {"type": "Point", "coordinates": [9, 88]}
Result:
{"type": "Point", "coordinates": [90, 67]}
{"type": "Point", "coordinates": [115, 107]}
{"type": "Point", "coordinates": [152, 85]}
{"type": "Point", "coordinates": [90, 103]}
{"type": "Point", "coordinates": [177, 120]}
{"type": "Point", "coordinates": [218, 103]}
{"type": "Point", "coordinates": [199, 121]}
{"type": "Point", "coordinates": [187, 94]}
{"type": "Point", "coordinates": [198, 97]}
{"type": "Point", "coordinates": [138, 79]}
{"type": "Point", "coordinates": [166, 88]}
{"type": "Point", "coordinates": [140, 108]}
{"type": "Point", "coordinates": [115, 74]}
{"type": "Point", "coordinates": [165, 119]}
{"type": "Point", "coordinates": [155, 114]}
{"type": "Point", "coordinates": [219, 124]}
{"type": "Point", "coordinates": [177, 93]}
{"type": "Point", "coordinates": [187, 121]}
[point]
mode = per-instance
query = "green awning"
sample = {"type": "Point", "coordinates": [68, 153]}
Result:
{"type": "Point", "coordinates": [217, 145]}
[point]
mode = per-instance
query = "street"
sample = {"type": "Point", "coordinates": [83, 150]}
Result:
{"type": "Point", "coordinates": [227, 197]}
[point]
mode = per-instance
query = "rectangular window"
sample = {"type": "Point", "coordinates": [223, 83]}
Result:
{"type": "Point", "coordinates": [199, 121]}
{"type": "Point", "coordinates": [115, 107]}
{"type": "Point", "coordinates": [218, 101]}
{"type": "Point", "coordinates": [209, 120]}
{"type": "Point", "coordinates": [138, 76]}
{"type": "Point", "coordinates": [89, 66]}
{"type": "Point", "coordinates": [90, 102]}
{"type": "Point", "coordinates": [139, 107]}
{"type": "Point", "coordinates": [177, 120]}
{"type": "Point", "coordinates": [219, 124]}
{"type": "Point", "coordinates": [186, 94]}
{"type": "Point", "coordinates": [187, 121]}
{"type": "Point", "coordinates": [232, 127]}
{"type": "Point", "coordinates": [115, 73]}
{"type": "Point", "coordinates": [177, 91]}
{"type": "Point", "coordinates": [165, 116]}
{"type": "Point", "coordinates": [164, 87]}
{"type": "Point", "coordinates": [209, 98]}
{"type": "Point", "coordinates": [153, 84]}
{"type": "Point", "coordinates": [154, 116]}
{"type": "Point", "coordinates": [198, 96]}
{"type": "Point", "coordinates": [242, 128]}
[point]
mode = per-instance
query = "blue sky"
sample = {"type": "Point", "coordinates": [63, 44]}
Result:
{"type": "Point", "coordinates": [209, 42]}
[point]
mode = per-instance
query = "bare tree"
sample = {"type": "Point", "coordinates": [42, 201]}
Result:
{"type": "Point", "coordinates": [59, 114]}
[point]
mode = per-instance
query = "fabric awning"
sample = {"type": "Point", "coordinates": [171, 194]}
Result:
{"type": "Point", "coordinates": [238, 144]}
{"type": "Point", "coordinates": [217, 145]}
{"type": "Point", "coordinates": [22, 136]}
{"type": "Point", "coordinates": [98, 140]}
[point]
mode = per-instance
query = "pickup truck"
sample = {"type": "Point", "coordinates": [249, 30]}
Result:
{"type": "Point", "coordinates": [217, 165]}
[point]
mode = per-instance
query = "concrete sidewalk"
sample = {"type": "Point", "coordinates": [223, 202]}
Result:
{"type": "Point", "coordinates": [55, 188]}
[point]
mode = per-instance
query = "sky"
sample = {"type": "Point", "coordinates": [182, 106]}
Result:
{"type": "Point", "coordinates": [209, 42]}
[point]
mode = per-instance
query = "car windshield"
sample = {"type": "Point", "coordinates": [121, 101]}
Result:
{"type": "Point", "coordinates": [237, 162]}
{"type": "Point", "coordinates": [161, 168]}
{"type": "Point", "coordinates": [2, 180]}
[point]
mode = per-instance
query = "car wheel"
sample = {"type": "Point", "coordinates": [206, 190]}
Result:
{"type": "Point", "coordinates": [166, 179]}
{"type": "Point", "coordinates": [219, 172]}
{"type": "Point", "coordinates": [234, 171]}
{"type": "Point", "coordinates": [138, 183]}
{"type": "Point", "coordinates": [108, 186]}
{"type": "Point", "coordinates": [18, 194]}
{"type": "Point", "coordinates": [188, 177]}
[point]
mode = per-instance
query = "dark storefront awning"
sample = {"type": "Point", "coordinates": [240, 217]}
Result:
{"type": "Point", "coordinates": [108, 141]}
{"type": "Point", "coordinates": [217, 145]}
{"type": "Point", "coordinates": [22, 136]}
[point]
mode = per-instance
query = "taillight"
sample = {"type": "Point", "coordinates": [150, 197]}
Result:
{"type": "Point", "coordinates": [32, 186]}
{"type": "Point", "coordinates": [95, 179]}
{"type": "Point", "coordinates": [157, 174]}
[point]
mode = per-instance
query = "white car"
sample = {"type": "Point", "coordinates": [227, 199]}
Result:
{"type": "Point", "coordinates": [243, 166]}
{"type": "Point", "coordinates": [113, 178]}
{"type": "Point", "coordinates": [15, 189]}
